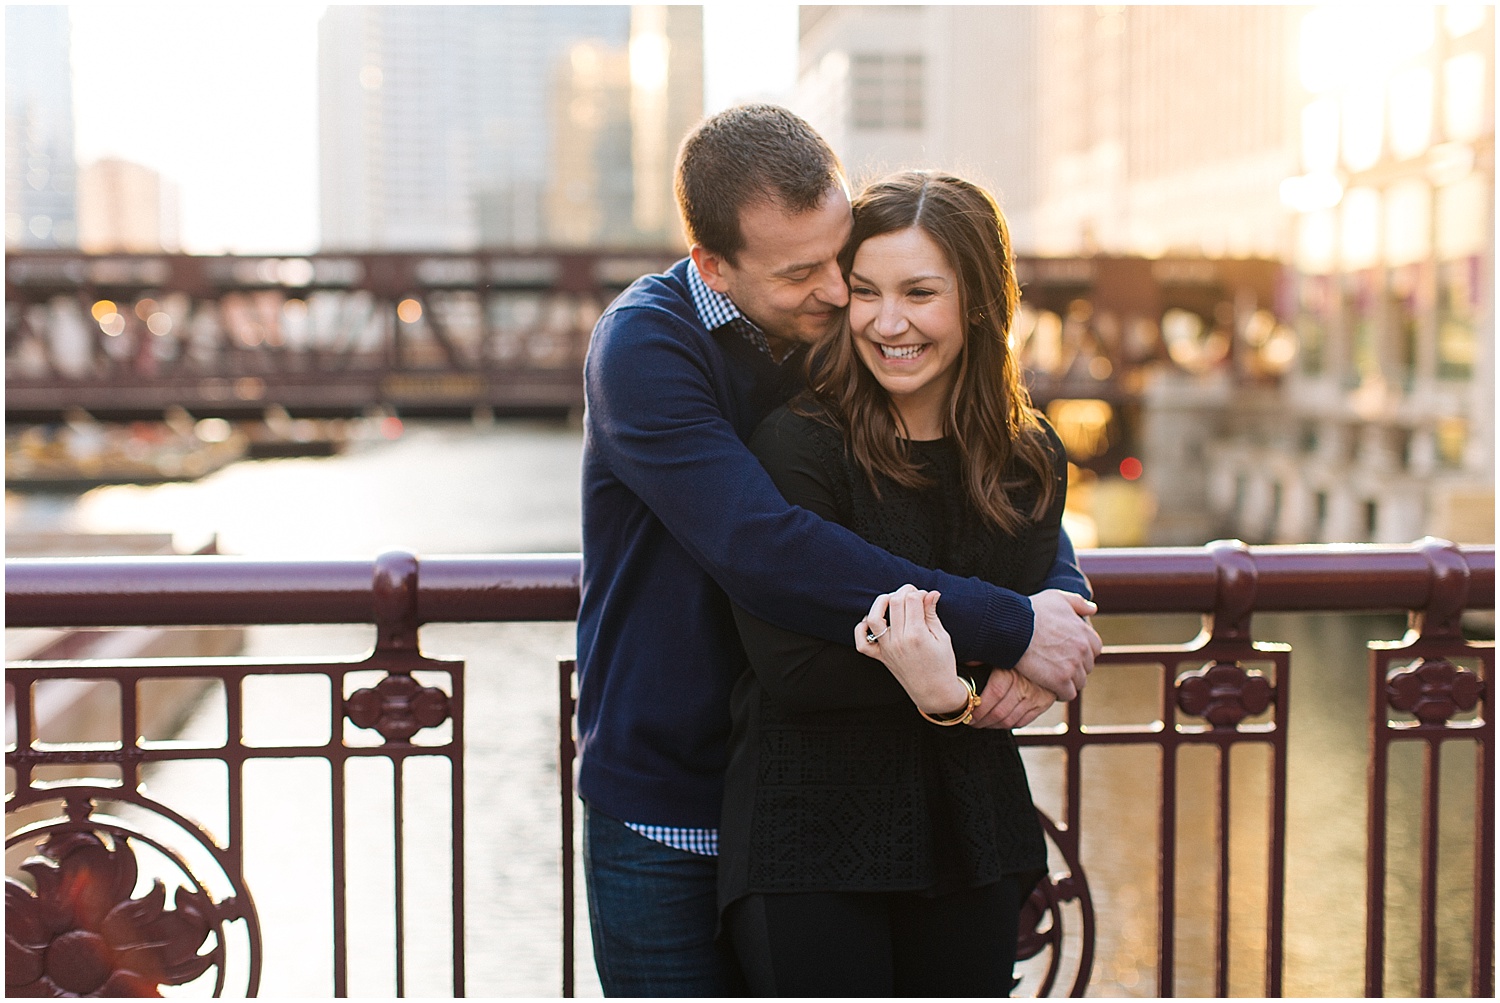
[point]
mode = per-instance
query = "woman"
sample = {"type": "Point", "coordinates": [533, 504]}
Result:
{"type": "Point", "coordinates": [863, 849]}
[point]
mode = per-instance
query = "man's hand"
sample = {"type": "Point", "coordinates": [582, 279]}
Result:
{"type": "Point", "coordinates": [1011, 701]}
{"type": "Point", "coordinates": [1063, 644]}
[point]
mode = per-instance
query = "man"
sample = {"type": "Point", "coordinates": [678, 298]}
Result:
{"type": "Point", "coordinates": [677, 513]}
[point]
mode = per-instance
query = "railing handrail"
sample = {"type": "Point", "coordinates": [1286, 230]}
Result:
{"type": "Point", "coordinates": [220, 590]}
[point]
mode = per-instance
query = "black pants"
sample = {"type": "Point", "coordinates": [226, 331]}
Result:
{"type": "Point", "coordinates": [878, 943]}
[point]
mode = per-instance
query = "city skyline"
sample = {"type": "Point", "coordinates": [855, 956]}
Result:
{"type": "Point", "coordinates": [241, 143]}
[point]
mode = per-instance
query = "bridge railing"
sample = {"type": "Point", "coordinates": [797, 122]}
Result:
{"type": "Point", "coordinates": [111, 890]}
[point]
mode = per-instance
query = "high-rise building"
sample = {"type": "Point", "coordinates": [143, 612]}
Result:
{"type": "Point", "coordinates": [1077, 117]}
{"type": "Point", "coordinates": [123, 206]}
{"type": "Point", "coordinates": [462, 126]}
{"type": "Point", "coordinates": [666, 100]}
{"type": "Point", "coordinates": [1384, 428]}
{"type": "Point", "coordinates": [39, 166]}
{"type": "Point", "coordinates": [915, 86]}
{"type": "Point", "coordinates": [590, 187]}
{"type": "Point", "coordinates": [1164, 129]}
{"type": "Point", "coordinates": [1355, 403]}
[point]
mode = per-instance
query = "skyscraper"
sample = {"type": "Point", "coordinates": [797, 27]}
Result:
{"type": "Point", "coordinates": [124, 206]}
{"type": "Point", "coordinates": [1390, 406]}
{"type": "Point", "coordinates": [1355, 149]}
{"type": "Point", "coordinates": [666, 100]}
{"type": "Point", "coordinates": [915, 86]}
{"type": "Point", "coordinates": [461, 126]}
{"type": "Point", "coordinates": [1078, 117]}
{"type": "Point", "coordinates": [39, 166]}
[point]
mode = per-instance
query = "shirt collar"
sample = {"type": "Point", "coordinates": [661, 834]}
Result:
{"type": "Point", "coordinates": [716, 310]}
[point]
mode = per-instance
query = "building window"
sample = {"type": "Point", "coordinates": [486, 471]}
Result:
{"type": "Point", "coordinates": [1457, 295]}
{"type": "Point", "coordinates": [1452, 441]}
{"type": "Point", "coordinates": [1402, 309]}
{"type": "Point", "coordinates": [1411, 111]}
{"type": "Point", "coordinates": [1463, 97]}
{"type": "Point", "coordinates": [886, 91]}
{"type": "Point", "coordinates": [1361, 303]}
{"type": "Point", "coordinates": [1318, 310]}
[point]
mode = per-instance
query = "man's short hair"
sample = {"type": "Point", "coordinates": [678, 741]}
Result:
{"type": "Point", "coordinates": [747, 154]}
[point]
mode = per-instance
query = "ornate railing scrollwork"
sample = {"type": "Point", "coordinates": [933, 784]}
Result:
{"type": "Point", "coordinates": [1042, 926]}
{"type": "Point", "coordinates": [76, 926]}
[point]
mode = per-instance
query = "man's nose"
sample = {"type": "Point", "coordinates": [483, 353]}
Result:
{"type": "Point", "coordinates": [831, 288]}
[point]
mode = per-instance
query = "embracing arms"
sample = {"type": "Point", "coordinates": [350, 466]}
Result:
{"type": "Point", "coordinates": [807, 673]}
{"type": "Point", "coordinates": [657, 404]}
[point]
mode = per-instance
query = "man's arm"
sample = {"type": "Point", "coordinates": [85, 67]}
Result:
{"type": "Point", "coordinates": [1065, 573]}
{"type": "Point", "coordinates": [657, 422]}
{"type": "Point", "coordinates": [1062, 642]}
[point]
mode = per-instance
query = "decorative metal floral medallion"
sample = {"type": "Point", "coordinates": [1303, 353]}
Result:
{"type": "Point", "coordinates": [398, 707]}
{"type": "Point", "coordinates": [102, 908]}
{"type": "Point", "coordinates": [1223, 693]}
{"type": "Point", "coordinates": [1433, 690]}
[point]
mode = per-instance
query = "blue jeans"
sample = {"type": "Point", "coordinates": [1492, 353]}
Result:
{"type": "Point", "coordinates": [653, 911]}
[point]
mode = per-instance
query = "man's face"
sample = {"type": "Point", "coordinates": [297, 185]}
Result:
{"type": "Point", "coordinates": [786, 277]}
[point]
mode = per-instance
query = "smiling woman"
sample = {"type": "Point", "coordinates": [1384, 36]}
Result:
{"type": "Point", "coordinates": [878, 835]}
{"type": "Point", "coordinates": [906, 318]}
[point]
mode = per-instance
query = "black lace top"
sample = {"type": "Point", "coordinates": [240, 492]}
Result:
{"type": "Point", "coordinates": [835, 782]}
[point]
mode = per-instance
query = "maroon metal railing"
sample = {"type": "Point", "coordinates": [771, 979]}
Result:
{"type": "Point", "coordinates": [77, 924]}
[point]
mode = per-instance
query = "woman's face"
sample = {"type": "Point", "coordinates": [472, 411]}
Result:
{"type": "Point", "coordinates": [906, 318]}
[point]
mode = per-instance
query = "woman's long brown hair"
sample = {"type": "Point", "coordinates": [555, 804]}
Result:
{"type": "Point", "coordinates": [989, 412]}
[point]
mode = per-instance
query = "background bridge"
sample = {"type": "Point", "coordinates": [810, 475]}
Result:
{"type": "Point", "coordinates": [339, 334]}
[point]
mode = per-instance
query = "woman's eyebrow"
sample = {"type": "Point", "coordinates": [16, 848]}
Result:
{"type": "Point", "coordinates": [909, 281]}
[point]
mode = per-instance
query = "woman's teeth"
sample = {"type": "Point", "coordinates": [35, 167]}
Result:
{"type": "Point", "coordinates": [902, 351]}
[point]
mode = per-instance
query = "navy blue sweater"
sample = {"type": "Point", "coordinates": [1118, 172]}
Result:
{"type": "Point", "coordinates": [677, 512]}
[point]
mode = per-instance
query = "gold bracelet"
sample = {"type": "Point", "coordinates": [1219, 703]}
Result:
{"type": "Point", "coordinates": [962, 716]}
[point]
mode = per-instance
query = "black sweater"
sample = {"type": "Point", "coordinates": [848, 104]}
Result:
{"type": "Point", "coordinates": [835, 782]}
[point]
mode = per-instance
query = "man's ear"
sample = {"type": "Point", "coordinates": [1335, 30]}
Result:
{"type": "Point", "coordinates": [711, 265]}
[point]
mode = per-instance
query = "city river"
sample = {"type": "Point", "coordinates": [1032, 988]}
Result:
{"type": "Point", "coordinates": [512, 487]}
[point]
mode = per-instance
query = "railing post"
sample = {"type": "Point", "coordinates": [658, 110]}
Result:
{"type": "Point", "coordinates": [1416, 676]}
{"type": "Point", "coordinates": [566, 753]}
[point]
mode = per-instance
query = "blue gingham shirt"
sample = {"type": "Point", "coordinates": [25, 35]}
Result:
{"type": "Point", "coordinates": [715, 310]}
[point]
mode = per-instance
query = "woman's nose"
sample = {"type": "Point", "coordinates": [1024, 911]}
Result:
{"type": "Point", "coordinates": [890, 321]}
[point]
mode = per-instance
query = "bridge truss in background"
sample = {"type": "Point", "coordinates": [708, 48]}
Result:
{"type": "Point", "coordinates": [130, 336]}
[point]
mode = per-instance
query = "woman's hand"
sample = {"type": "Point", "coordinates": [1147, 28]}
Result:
{"type": "Point", "coordinates": [1010, 700]}
{"type": "Point", "coordinates": [915, 647]}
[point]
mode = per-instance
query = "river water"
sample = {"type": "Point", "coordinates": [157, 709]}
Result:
{"type": "Point", "coordinates": [512, 486]}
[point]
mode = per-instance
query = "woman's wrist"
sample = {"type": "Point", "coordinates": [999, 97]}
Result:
{"type": "Point", "coordinates": [960, 715]}
{"type": "Point", "coordinates": [949, 698]}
